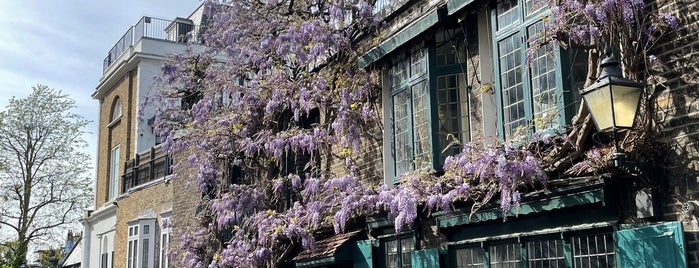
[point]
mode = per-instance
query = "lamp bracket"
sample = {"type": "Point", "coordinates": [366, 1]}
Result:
{"type": "Point", "coordinates": [649, 174]}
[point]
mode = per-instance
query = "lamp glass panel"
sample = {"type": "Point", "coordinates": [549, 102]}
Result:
{"type": "Point", "coordinates": [625, 104]}
{"type": "Point", "coordinates": [598, 102]}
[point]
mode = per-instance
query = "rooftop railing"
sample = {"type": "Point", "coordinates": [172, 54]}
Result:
{"type": "Point", "coordinates": [179, 30]}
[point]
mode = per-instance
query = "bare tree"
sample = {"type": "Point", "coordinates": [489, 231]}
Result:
{"type": "Point", "coordinates": [43, 182]}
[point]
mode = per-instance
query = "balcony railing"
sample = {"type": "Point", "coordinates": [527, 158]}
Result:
{"type": "Point", "coordinates": [146, 167]}
{"type": "Point", "coordinates": [179, 30]}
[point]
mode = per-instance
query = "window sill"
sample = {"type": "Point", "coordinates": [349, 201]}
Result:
{"type": "Point", "coordinates": [114, 122]}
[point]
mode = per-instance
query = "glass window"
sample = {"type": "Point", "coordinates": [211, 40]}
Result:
{"type": "Point", "coordinates": [593, 251]}
{"type": "Point", "coordinates": [398, 252]}
{"type": "Point", "coordinates": [164, 242]}
{"type": "Point", "coordinates": [410, 102]}
{"type": "Point", "coordinates": [140, 246]}
{"type": "Point", "coordinates": [144, 263]}
{"type": "Point", "coordinates": [469, 258]}
{"type": "Point", "coordinates": [114, 172]}
{"type": "Point", "coordinates": [586, 251]}
{"type": "Point", "coordinates": [512, 90]}
{"type": "Point", "coordinates": [426, 98]}
{"type": "Point", "coordinates": [542, 71]}
{"type": "Point", "coordinates": [453, 113]}
{"type": "Point", "coordinates": [530, 97]}
{"type": "Point", "coordinates": [104, 256]}
{"type": "Point", "coordinates": [116, 109]}
{"type": "Point", "coordinates": [132, 250]}
{"type": "Point", "coordinates": [505, 255]}
{"type": "Point", "coordinates": [546, 253]}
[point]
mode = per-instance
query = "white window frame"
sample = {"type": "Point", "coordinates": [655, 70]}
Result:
{"type": "Point", "coordinates": [106, 251]}
{"type": "Point", "coordinates": [114, 167]}
{"type": "Point", "coordinates": [140, 246]}
{"type": "Point", "coordinates": [165, 229]}
{"type": "Point", "coordinates": [116, 110]}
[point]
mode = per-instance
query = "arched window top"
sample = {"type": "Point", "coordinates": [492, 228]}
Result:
{"type": "Point", "coordinates": [105, 244]}
{"type": "Point", "coordinates": [116, 109]}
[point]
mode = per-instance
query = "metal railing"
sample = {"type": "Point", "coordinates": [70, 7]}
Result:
{"type": "Point", "coordinates": [151, 28]}
{"type": "Point", "coordinates": [146, 167]}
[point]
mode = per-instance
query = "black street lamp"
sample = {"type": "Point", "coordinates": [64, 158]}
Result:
{"type": "Point", "coordinates": [612, 100]}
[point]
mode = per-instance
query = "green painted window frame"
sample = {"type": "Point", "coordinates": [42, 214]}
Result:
{"type": "Point", "coordinates": [399, 242]}
{"type": "Point", "coordinates": [515, 28]}
{"type": "Point", "coordinates": [402, 88]}
{"type": "Point", "coordinates": [565, 240]}
{"type": "Point", "coordinates": [404, 83]}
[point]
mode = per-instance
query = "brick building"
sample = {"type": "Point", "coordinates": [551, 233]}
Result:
{"type": "Point", "coordinates": [130, 225]}
{"type": "Point", "coordinates": [459, 67]}
{"type": "Point", "coordinates": [449, 68]}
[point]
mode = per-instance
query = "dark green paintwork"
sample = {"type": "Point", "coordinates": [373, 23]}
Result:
{"type": "Point", "coordinates": [426, 258]}
{"type": "Point", "coordinates": [398, 39]}
{"type": "Point", "coordinates": [557, 202]}
{"type": "Point", "coordinates": [660, 245]}
{"type": "Point", "coordinates": [454, 6]}
{"type": "Point", "coordinates": [361, 253]}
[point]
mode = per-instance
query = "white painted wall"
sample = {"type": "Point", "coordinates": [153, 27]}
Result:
{"type": "Point", "coordinates": [101, 224]}
{"type": "Point", "coordinates": [148, 69]}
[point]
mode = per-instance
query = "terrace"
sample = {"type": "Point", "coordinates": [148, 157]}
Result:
{"type": "Point", "coordinates": [147, 166]}
{"type": "Point", "coordinates": [179, 30]}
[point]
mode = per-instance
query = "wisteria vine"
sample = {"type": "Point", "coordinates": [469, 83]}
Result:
{"type": "Point", "coordinates": [273, 108]}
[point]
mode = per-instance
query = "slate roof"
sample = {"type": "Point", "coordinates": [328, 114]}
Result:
{"type": "Point", "coordinates": [326, 247]}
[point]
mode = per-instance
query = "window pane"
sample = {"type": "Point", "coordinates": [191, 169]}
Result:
{"type": "Point", "coordinates": [543, 254]}
{"type": "Point", "coordinates": [417, 63]}
{"type": "Point", "coordinates": [453, 114]}
{"type": "Point", "coordinates": [507, 13]}
{"type": "Point", "coordinates": [543, 81]}
{"type": "Point", "coordinates": [114, 173]}
{"type": "Point", "coordinates": [469, 258]}
{"type": "Point", "coordinates": [448, 46]}
{"type": "Point", "coordinates": [129, 253]}
{"type": "Point", "coordinates": [532, 6]}
{"type": "Point", "coordinates": [146, 229]}
{"type": "Point", "coordinates": [401, 149]}
{"type": "Point", "coordinates": [512, 89]}
{"type": "Point", "coordinates": [163, 250]}
{"type": "Point", "coordinates": [145, 253]}
{"type": "Point", "coordinates": [504, 256]}
{"type": "Point", "coordinates": [593, 251]}
{"type": "Point", "coordinates": [399, 72]}
{"type": "Point", "coordinates": [421, 126]}
{"type": "Point", "coordinates": [407, 245]}
{"type": "Point", "coordinates": [391, 253]}
{"type": "Point", "coordinates": [134, 258]}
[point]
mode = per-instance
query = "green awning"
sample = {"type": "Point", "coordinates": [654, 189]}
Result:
{"type": "Point", "coordinates": [556, 202]}
{"type": "Point", "coordinates": [455, 5]}
{"type": "Point", "coordinates": [402, 37]}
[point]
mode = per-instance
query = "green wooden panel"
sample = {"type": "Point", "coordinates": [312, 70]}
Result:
{"type": "Point", "coordinates": [455, 5]}
{"type": "Point", "coordinates": [398, 39]}
{"type": "Point", "coordinates": [660, 245]}
{"type": "Point", "coordinates": [426, 258]}
{"type": "Point", "coordinates": [556, 202]}
{"type": "Point", "coordinates": [362, 254]}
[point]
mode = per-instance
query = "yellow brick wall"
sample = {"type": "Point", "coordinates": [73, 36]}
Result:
{"type": "Point", "coordinates": [155, 199]}
{"type": "Point", "coordinates": [115, 133]}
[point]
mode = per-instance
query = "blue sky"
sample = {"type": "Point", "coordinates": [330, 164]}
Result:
{"type": "Point", "coordinates": [61, 43]}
